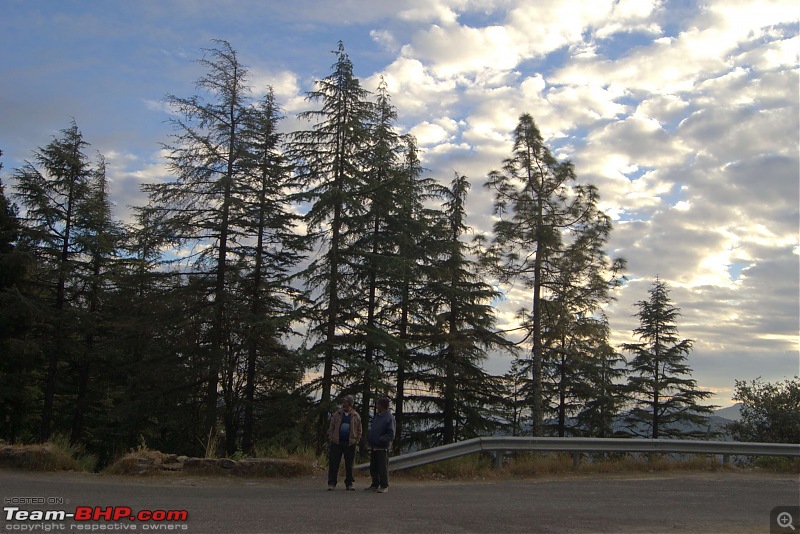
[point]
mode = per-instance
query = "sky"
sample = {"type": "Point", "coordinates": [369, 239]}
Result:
{"type": "Point", "coordinates": [683, 113]}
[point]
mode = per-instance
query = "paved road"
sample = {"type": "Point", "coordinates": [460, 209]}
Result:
{"type": "Point", "coordinates": [653, 502]}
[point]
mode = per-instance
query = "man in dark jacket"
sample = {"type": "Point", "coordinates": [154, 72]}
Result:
{"type": "Point", "coordinates": [380, 437]}
{"type": "Point", "coordinates": [344, 433]}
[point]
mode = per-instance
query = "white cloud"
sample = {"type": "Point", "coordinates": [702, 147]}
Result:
{"type": "Point", "coordinates": [429, 134]}
{"type": "Point", "coordinates": [385, 39]}
{"type": "Point", "coordinates": [585, 104]}
{"type": "Point", "coordinates": [416, 92]}
{"type": "Point", "coordinates": [664, 108]}
{"type": "Point", "coordinates": [426, 11]}
{"type": "Point", "coordinates": [456, 50]}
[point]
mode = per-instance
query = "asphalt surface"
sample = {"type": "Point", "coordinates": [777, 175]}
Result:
{"type": "Point", "coordinates": [650, 502]}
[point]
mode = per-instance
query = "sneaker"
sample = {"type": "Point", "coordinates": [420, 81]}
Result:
{"type": "Point", "coordinates": [371, 488]}
{"type": "Point", "coordinates": [331, 487]}
{"type": "Point", "coordinates": [382, 490]}
{"type": "Point", "coordinates": [350, 488]}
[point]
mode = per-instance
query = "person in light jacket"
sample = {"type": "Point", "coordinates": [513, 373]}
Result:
{"type": "Point", "coordinates": [380, 438]}
{"type": "Point", "coordinates": [344, 433]}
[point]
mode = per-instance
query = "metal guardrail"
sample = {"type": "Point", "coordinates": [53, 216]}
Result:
{"type": "Point", "coordinates": [500, 445]}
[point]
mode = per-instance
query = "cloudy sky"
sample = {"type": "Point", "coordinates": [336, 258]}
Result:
{"type": "Point", "coordinates": [683, 113]}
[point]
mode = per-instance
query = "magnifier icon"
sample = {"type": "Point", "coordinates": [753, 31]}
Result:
{"type": "Point", "coordinates": [785, 520]}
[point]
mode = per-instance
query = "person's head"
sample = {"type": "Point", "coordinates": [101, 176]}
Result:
{"type": "Point", "coordinates": [347, 403]}
{"type": "Point", "coordinates": [382, 404]}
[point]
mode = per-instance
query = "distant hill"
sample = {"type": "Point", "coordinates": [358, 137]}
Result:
{"type": "Point", "coordinates": [734, 413]}
{"type": "Point", "coordinates": [717, 428]}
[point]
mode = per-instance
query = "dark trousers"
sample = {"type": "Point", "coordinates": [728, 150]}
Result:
{"type": "Point", "coordinates": [335, 453]}
{"type": "Point", "coordinates": [379, 468]}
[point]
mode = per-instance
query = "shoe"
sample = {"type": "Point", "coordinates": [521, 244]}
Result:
{"type": "Point", "coordinates": [331, 487]}
{"type": "Point", "coordinates": [371, 488]}
{"type": "Point", "coordinates": [382, 490]}
{"type": "Point", "coordinates": [350, 488]}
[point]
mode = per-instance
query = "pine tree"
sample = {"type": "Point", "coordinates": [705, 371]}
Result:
{"type": "Point", "coordinates": [157, 394]}
{"type": "Point", "coordinates": [271, 259]}
{"type": "Point", "coordinates": [515, 406]}
{"type": "Point", "coordinates": [413, 230]}
{"type": "Point", "coordinates": [377, 251]}
{"type": "Point", "coordinates": [462, 333]}
{"type": "Point", "coordinates": [98, 237]}
{"type": "Point", "coordinates": [198, 207]}
{"type": "Point", "coordinates": [572, 318]}
{"type": "Point", "coordinates": [12, 265]}
{"type": "Point", "coordinates": [52, 190]}
{"type": "Point", "coordinates": [665, 397]}
{"type": "Point", "coordinates": [600, 390]}
{"type": "Point", "coordinates": [543, 215]}
{"type": "Point", "coordinates": [19, 375]}
{"type": "Point", "coordinates": [330, 164]}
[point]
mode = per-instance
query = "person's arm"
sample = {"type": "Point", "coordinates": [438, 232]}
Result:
{"type": "Point", "coordinates": [388, 434]}
{"type": "Point", "coordinates": [358, 429]}
{"type": "Point", "coordinates": [330, 425]}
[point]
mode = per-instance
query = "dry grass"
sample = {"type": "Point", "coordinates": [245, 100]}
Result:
{"type": "Point", "coordinates": [53, 456]}
{"type": "Point", "coordinates": [778, 464]}
{"type": "Point", "coordinates": [473, 466]}
{"type": "Point", "coordinates": [538, 464]}
{"type": "Point", "coordinates": [136, 463]}
{"type": "Point", "coordinates": [144, 462]}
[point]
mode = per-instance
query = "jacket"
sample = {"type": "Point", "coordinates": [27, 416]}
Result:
{"type": "Point", "coordinates": [381, 433]}
{"type": "Point", "coordinates": [336, 422]}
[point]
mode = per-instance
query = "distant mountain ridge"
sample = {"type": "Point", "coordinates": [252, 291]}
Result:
{"type": "Point", "coordinates": [716, 429]}
{"type": "Point", "coordinates": [733, 413]}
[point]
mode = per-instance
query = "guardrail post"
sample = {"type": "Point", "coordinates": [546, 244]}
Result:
{"type": "Point", "coordinates": [726, 458]}
{"type": "Point", "coordinates": [498, 459]}
{"type": "Point", "coordinates": [576, 459]}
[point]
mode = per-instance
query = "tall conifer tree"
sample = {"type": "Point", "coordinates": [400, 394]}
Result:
{"type": "Point", "coordinates": [462, 331]}
{"type": "Point", "coordinates": [413, 230]}
{"type": "Point", "coordinates": [19, 372]}
{"type": "Point", "coordinates": [197, 208]}
{"type": "Point", "coordinates": [52, 190]}
{"type": "Point", "coordinates": [542, 210]}
{"type": "Point", "coordinates": [666, 398]}
{"type": "Point", "coordinates": [99, 237]}
{"type": "Point", "coordinates": [378, 249]}
{"type": "Point", "coordinates": [269, 254]}
{"type": "Point", "coordinates": [330, 161]}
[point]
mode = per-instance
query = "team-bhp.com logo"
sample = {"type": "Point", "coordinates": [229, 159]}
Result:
{"type": "Point", "coordinates": [88, 517]}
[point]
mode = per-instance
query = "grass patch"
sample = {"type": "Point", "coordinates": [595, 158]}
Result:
{"type": "Point", "coordinates": [56, 455]}
{"type": "Point", "coordinates": [537, 464]}
{"type": "Point", "coordinates": [533, 464]}
{"type": "Point", "coordinates": [778, 464]}
{"type": "Point", "coordinates": [266, 463]}
{"type": "Point", "coordinates": [472, 466]}
{"type": "Point", "coordinates": [305, 457]}
{"type": "Point", "coordinates": [136, 463]}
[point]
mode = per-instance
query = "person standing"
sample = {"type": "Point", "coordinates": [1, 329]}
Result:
{"type": "Point", "coordinates": [380, 438]}
{"type": "Point", "coordinates": [344, 433]}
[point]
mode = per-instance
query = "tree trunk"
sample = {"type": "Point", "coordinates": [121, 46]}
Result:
{"type": "Point", "coordinates": [399, 412]}
{"type": "Point", "coordinates": [52, 367]}
{"type": "Point", "coordinates": [255, 309]}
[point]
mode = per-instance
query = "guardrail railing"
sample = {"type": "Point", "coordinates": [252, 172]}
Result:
{"type": "Point", "coordinates": [500, 445]}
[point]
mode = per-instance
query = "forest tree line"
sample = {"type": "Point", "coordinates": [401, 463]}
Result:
{"type": "Point", "coordinates": [275, 272]}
